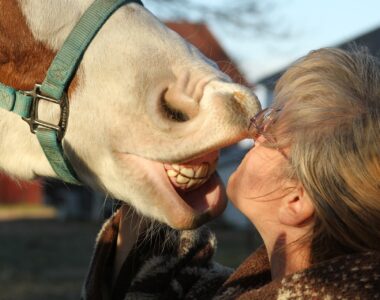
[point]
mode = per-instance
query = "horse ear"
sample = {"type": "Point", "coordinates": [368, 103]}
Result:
{"type": "Point", "coordinates": [296, 208]}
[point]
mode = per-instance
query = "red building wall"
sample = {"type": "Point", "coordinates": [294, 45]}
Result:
{"type": "Point", "coordinates": [19, 191]}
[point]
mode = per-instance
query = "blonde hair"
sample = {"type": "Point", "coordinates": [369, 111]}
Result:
{"type": "Point", "coordinates": [330, 120]}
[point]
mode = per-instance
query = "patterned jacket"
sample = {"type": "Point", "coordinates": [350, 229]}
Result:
{"type": "Point", "coordinates": [178, 265]}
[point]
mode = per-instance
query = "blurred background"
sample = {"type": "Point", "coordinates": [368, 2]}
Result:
{"type": "Point", "coordinates": [48, 229]}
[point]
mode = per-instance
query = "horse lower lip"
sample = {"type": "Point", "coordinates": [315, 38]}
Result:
{"type": "Point", "coordinates": [207, 202]}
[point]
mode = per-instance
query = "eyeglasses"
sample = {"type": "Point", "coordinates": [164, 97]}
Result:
{"type": "Point", "coordinates": [259, 123]}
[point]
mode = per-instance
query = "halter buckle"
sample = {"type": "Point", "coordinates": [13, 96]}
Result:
{"type": "Point", "coordinates": [35, 123]}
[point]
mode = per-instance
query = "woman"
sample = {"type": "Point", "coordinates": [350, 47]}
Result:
{"type": "Point", "coordinates": [310, 185]}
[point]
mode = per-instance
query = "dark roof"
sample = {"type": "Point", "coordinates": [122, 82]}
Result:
{"type": "Point", "coordinates": [200, 36]}
{"type": "Point", "coordinates": [371, 40]}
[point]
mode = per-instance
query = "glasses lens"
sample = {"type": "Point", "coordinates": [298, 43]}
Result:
{"type": "Point", "coordinates": [259, 122]}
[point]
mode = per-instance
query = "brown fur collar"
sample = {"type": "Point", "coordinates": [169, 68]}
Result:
{"type": "Point", "coordinates": [182, 268]}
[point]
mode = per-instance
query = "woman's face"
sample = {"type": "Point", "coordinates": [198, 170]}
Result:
{"type": "Point", "coordinates": [257, 186]}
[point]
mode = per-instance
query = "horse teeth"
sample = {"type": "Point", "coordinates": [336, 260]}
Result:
{"type": "Point", "coordinates": [192, 183]}
{"type": "Point", "coordinates": [189, 177]}
{"type": "Point", "coordinates": [188, 172]}
{"type": "Point", "coordinates": [172, 173]}
{"type": "Point", "coordinates": [182, 179]}
{"type": "Point", "coordinates": [202, 181]}
{"type": "Point", "coordinates": [198, 172]}
{"type": "Point", "coordinates": [206, 170]}
{"type": "Point", "coordinates": [202, 171]}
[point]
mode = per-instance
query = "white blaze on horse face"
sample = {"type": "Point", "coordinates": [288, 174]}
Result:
{"type": "Point", "coordinates": [144, 95]}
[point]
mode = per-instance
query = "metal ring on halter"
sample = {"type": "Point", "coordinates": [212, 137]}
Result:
{"type": "Point", "coordinates": [35, 123]}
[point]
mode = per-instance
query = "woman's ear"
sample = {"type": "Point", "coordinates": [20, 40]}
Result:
{"type": "Point", "coordinates": [296, 208]}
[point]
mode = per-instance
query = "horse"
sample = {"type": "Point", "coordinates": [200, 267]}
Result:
{"type": "Point", "coordinates": [148, 111]}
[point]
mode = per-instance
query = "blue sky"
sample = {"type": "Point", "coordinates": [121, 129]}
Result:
{"type": "Point", "coordinates": [311, 24]}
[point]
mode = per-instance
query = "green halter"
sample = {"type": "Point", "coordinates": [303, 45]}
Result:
{"type": "Point", "coordinates": [54, 87]}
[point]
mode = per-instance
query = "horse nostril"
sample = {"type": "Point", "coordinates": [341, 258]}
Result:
{"type": "Point", "coordinates": [177, 105]}
{"type": "Point", "coordinates": [172, 113]}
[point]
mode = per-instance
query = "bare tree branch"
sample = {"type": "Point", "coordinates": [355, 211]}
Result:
{"type": "Point", "coordinates": [245, 15]}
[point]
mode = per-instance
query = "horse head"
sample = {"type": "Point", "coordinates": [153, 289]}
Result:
{"type": "Point", "coordinates": [148, 112]}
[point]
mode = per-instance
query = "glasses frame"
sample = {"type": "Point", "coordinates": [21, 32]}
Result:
{"type": "Point", "coordinates": [260, 122]}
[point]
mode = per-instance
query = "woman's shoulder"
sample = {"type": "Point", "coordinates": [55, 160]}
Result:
{"type": "Point", "coordinates": [355, 276]}
{"type": "Point", "coordinates": [349, 276]}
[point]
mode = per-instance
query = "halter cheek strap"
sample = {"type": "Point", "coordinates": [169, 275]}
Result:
{"type": "Point", "coordinates": [54, 87]}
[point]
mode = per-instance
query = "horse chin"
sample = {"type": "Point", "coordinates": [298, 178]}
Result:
{"type": "Point", "coordinates": [173, 204]}
{"type": "Point", "coordinates": [208, 200]}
